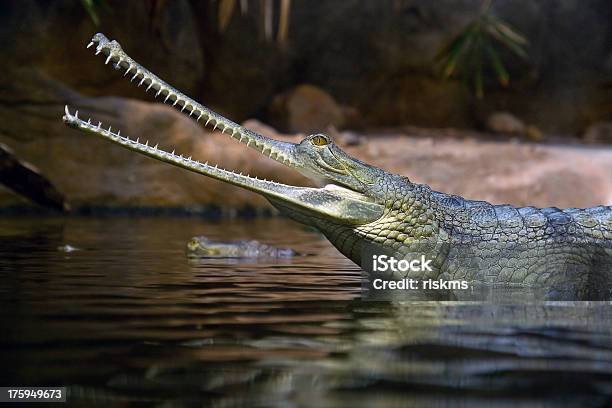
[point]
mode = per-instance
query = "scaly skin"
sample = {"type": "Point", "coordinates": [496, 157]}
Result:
{"type": "Point", "coordinates": [366, 209]}
{"type": "Point", "coordinates": [203, 247]}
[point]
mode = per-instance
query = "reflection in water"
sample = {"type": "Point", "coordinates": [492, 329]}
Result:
{"type": "Point", "coordinates": [128, 318]}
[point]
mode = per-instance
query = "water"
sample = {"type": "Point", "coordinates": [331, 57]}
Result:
{"type": "Point", "coordinates": [113, 309]}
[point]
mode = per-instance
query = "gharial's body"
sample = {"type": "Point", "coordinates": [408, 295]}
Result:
{"type": "Point", "coordinates": [203, 247]}
{"type": "Point", "coordinates": [365, 209]}
{"type": "Point", "coordinates": [568, 251]}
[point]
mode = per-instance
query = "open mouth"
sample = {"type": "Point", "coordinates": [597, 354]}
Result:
{"type": "Point", "coordinates": [331, 201]}
{"type": "Point", "coordinates": [136, 145]}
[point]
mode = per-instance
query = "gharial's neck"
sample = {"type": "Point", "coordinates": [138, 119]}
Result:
{"type": "Point", "coordinates": [410, 217]}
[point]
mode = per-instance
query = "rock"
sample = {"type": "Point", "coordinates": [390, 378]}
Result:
{"type": "Point", "coordinates": [600, 132]}
{"type": "Point", "coordinates": [51, 36]}
{"type": "Point", "coordinates": [505, 123]}
{"type": "Point", "coordinates": [415, 99]}
{"type": "Point", "coordinates": [306, 109]}
{"type": "Point", "coordinates": [534, 133]}
{"type": "Point", "coordinates": [353, 117]}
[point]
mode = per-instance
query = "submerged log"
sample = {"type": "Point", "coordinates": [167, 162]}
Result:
{"type": "Point", "coordinates": [26, 180]}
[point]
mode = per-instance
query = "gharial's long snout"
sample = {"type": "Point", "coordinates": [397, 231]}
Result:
{"type": "Point", "coordinates": [280, 151]}
{"type": "Point", "coordinates": [335, 203]}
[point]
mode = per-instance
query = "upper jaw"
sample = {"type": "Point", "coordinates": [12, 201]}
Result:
{"type": "Point", "coordinates": [282, 152]}
{"type": "Point", "coordinates": [338, 204]}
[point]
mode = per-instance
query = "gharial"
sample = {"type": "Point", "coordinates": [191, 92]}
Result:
{"type": "Point", "coordinates": [365, 208]}
{"type": "Point", "coordinates": [204, 247]}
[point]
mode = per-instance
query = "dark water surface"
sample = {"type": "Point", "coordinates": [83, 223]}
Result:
{"type": "Point", "coordinates": [129, 318]}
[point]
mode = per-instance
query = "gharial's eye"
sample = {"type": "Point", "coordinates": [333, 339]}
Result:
{"type": "Point", "coordinates": [319, 140]}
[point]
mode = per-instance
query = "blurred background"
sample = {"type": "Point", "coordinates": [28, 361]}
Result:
{"type": "Point", "coordinates": [508, 101]}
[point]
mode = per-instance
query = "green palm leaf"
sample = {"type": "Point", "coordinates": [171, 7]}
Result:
{"type": "Point", "coordinates": [473, 49]}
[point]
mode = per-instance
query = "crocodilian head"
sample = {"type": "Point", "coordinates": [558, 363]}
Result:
{"type": "Point", "coordinates": [349, 198]}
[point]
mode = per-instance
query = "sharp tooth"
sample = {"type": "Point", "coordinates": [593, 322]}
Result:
{"type": "Point", "coordinates": [206, 124]}
{"type": "Point", "coordinates": [158, 92]}
{"type": "Point", "coordinates": [134, 77]}
{"type": "Point", "coordinates": [128, 70]}
{"type": "Point", "coordinates": [76, 114]}
{"type": "Point", "coordinates": [89, 121]}
{"type": "Point", "coordinates": [215, 127]}
{"type": "Point", "coordinates": [99, 50]}
{"type": "Point", "coordinates": [110, 56]}
{"type": "Point", "coordinates": [109, 130]}
{"type": "Point", "coordinates": [137, 139]}
{"type": "Point", "coordinates": [90, 44]}
{"type": "Point", "coordinates": [142, 80]}
{"type": "Point", "coordinates": [119, 133]}
{"type": "Point", "coordinates": [183, 108]}
{"type": "Point", "coordinates": [189, 158]}
{"type": "Point", "coordinates": [66, 110]}
{"type": "Point", "coordinates": [198, 119]}
{"type": "Point", "coordinates": [206, 164]}
{"type": "Point", "coordinates": [149, 87]}
{"type": "Point", "coordinates": [147, 143]}
{"type": "Point", "coordinates": [175, 102]}
{"type": "Point", "coordinates": [173, 152]}
{"type": "Point", "coordinates": [156, 144]}
{"type": "Point", "coordinates": [99, 124]}
{"type": "Point", "coordinates": [167, 96]}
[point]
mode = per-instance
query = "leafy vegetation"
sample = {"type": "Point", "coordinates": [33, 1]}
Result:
{"type": "Point", "coordinates": [469, 51]}
{"type": "Point", "coordinates": [91, 7]}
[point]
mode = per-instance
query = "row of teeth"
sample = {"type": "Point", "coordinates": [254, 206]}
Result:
{"type": "Point", "coordinates": [125, 140]}
{"type": "Point", "coordinates": [115, 52]}
{"type": "Point", "coordinates": [154, 82]}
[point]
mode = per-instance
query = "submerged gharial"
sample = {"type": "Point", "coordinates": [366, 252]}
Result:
{"type": "Point", "coordinates": [364, 209]}
{"type": "Point", "coordinates": [204, 247]}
